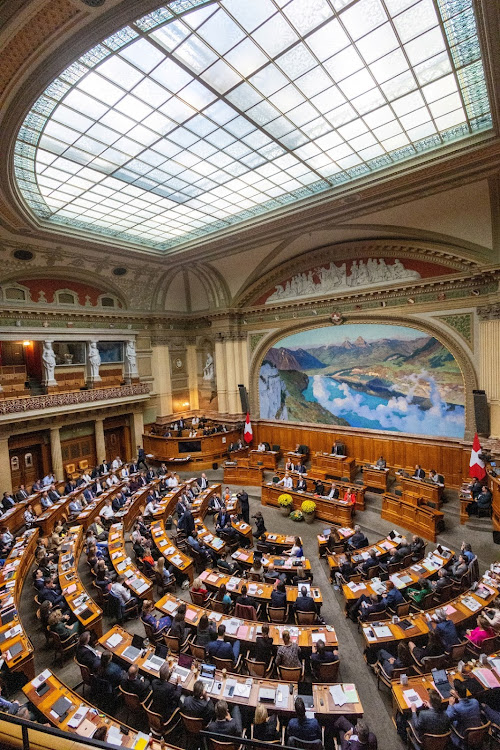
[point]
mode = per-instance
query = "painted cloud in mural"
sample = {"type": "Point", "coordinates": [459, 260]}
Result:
{"type": "Point", "coordinates": [379, 377]}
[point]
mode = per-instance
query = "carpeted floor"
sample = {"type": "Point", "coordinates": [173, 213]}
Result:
{"type": "Point", "coordinates": [376, 704]}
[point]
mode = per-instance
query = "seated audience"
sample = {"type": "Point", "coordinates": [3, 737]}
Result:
{"type": "Point", "coordinates": [288, 655]}
{"type": "Point", "coordinates": [265, 726]}
{"type": "Point", "coordinates": [432, 719]}
{"type": "Point", "coordinates": [134, 683]}
{"type": "Point", "coordinates": [224, 723]}
{"type": "Point", "coordinates": [199, 704]}
{"type": "Point", "coordinates": [166, 695]}
{"type": "Point", "coordinates": [301, 727]}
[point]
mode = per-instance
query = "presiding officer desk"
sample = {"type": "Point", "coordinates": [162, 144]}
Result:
{"type": "Point", "coordinates": [334, 511]}
{"type": "Point", "coordinates": [264, 459]}
{"type": "Point", "coordinates": [334, 466]}
{"type": "Point", "coordinates": [15, 646]}
{"type": "Point", "coordinates": [311, 477]}
{"type": "Point", "coordinates": [194, 452]}
{"type": "Point", "coordinates": [285, 700]}
{"type": "Point", "coordinates": [82, 717]}
{"type": "Point", "coordinates": [282, 563]}
{"type": "Point", "coordinates": [243, 473]}
{"type": "Point", "coordinates": [421, 491]}
{"type": "Point", "coordinates": [261, 592]}
{"type": "Point", "coordinates": [85, 610]}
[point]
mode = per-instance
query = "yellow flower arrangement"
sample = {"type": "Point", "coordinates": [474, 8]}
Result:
{"type": "Point", "coordinates": [308, 506]}
{"type": "Point", "coordinates": [285, 500]}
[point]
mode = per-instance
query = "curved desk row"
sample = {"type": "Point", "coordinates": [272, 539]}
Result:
{"type": "Point", "coordinates": [195, 453]}
{"type": "Point", "coordinates": [381, 548]}
{"type": "Point", "coordinates": [16, 648]}
{"type": "Point", "coordinates": [136, 581]}
{"type": "Point", "coordinates": [281, 564]}
{"type": "Point", "coordinates": [340, 535]}
{"type": "Point", "coordinates": [170, 552]}
{"type": "Point", "coordinates": [334, 511]}
{"type": "Point", "coordinates": [312, 476]}
{"type": "Point", "coordinates": [86, 611]}
{"type": "Point", "coordinates": [259, 591]}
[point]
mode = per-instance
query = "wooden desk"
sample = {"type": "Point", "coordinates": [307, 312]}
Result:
{"type": "Point", "coordinates": [73, 590]}
{"type": "Point", "coordinates": [13, 576]}
{"type": "Point", "coordinates": [281, 541]}
{"type": "Point", "coordinates": [167, 548]}
{"type": "Point", "coordinates": [340, 535]}
{"type": "Point", "coordinates": [295, 458]}
{"type": "Point", "coordinates": [166, 506]}
{"type": "Point", "coordinates": [246, 558]}
{"type": "Point", "coordinates": [335, 511]}
{"type": "Point", "coordinates": [420, 519]}
{"type": "Point", "coordinates": [421, 491]}
{"type": "Point", "coordinates": [215, 543]}
{"type": "Point", "coordinates": [323, 702]}
{"type": "Point", "coordinates": [426, 568]}
{"type": "Point", "coordinates": [314, 475]}
{"type": "Point", "coordinates": [13, 518]}
{"type": "Point", "coordinates": [59, 689]}
{"type": "Point", "coordinates": [334, 466]}
{"type": "Point", "coordinates": [303, 633]}
{"type": "Point", "coordinates": [456, 609]}
{"type": "Point", "coordinates": [137, 582]}
{"type": "Point", "coordinates": [381, 548]}
{"type": "Point", "coordinates": [376, 478]}
{"type": "Point", "coordinates": [250, 476]}
{"type": "Point", "coordinates": [211, 448]}
{"type": "Point", "coordinates": [268, 459]}
{"type": "Point", "coordinates": [259, 591]}
{"type": "Point", "coordinates": [89, 514]}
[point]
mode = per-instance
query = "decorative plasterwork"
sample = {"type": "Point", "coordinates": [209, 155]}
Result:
{"type": "Point", "coordinates": [489, 312]}
{"type": "Point", "coordinates": [464, 362]}
{"type": "Point", "coordinates": [388, 249]}
{"type": "Point", "coordinates": [463, 324]}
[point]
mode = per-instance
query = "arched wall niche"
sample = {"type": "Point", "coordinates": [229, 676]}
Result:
{"type": "Point", "coordinates": [203, 287]}
{"type": "Point", "coordinates": [427, 327]}
{"type": "Point", "coordinates": [421, 259]}
{"type": "Point", "coordinates": [44, 289]}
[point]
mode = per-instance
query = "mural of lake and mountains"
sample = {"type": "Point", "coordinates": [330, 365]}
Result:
{"type": "Point", "coordinates": [380, 377]}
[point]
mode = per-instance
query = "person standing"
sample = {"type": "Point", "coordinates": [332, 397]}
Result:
{"type": "Point", "coordinates": [244, 505]}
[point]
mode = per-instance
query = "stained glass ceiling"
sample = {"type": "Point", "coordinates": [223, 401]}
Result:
{"type": "Point", "coordinates": [204, 114]}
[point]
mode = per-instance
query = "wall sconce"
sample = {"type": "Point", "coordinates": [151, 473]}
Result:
{"type": "Point", "coordinates": [186, 404]}
{"type": "Point", "coordinates": [26, 343]}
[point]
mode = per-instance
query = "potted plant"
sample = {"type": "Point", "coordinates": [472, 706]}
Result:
{"type": "Point", "coordinates": [297, 515]}
{"type": "Point", "coordinates": [308, 508]}
{"type": "Point", "coordinates": [285, 502]}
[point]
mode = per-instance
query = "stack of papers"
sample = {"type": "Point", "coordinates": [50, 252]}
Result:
{"type": "Point", "coordinates": [342, 694]}
{"type": "Point", "coordinates": [411, 696]}
{"type": "Point", "coordinates": [114, 640]}
{"type": "Point", "coordinates": [471, 603]}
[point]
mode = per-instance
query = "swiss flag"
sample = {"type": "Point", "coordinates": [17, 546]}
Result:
{"type": "Point", "coordinates": [247, 432]}
{"type": "Point", "coordinates": [476, 466]}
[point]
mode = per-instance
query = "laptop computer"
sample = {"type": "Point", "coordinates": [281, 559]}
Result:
{"type": "Point", "coordinates": [306, 693]}
{"type": "Point", "coordinates": [137, 642]}
{"type": "Point", "coordinates": [131, 653]}
{"type": "Point", "coordinates": [441, 682]}
{"type": "Point", "coordinates": [161, 650]}
{"type": "Point", "coordinates": [8, 616]}
{"type": "Point", "coordinates": [267, 695]}
{"type": "Point", "coordinates": [184, 660]}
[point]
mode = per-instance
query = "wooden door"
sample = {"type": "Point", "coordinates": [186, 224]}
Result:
{"type": "Point", "coordinates": [114, 440]}
{"type": "Point", "coordinates": [25, 465]}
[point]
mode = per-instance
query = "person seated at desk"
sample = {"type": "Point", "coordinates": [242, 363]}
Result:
{"type": "Point", "coordinates": [433, 647]}
{"type": "Point", "coordinates": [286, 481]}
{"type": "Point", "coordinates": [296, 550]}
{"type": "Point", "coordinates": [436, 478]}
{"type": "Point", "coordinates": [272, 573]}
{"type": "Point", "coordinates": [257, 570]}
{"type": "Point", "coordinates": [365, 606]}
{"type": "Point", "coordinates": [224, 723]}
{"type": "Point", "coordinates": [482, 503]}
{"type": "Point", "coordinates": [132, 682]}
{"type": "Point", "coordinates": [417, 547]}
{"type": "Point", "coordinates": [356, 737]}
{"type": "Point", "coordinates": [288, 655]}
{"type": "Point", "coordinates": [107, 513]}
{"type": "Point", "coordinates": [260, 526]}
{"type": "Point", "coordinates": [166, 695]}
{"type": "Point", "coordinates": [419, 473]}
{"type": "Point", "coordinates": [228, 565]}
{"type": "Point", "coordinates": [103, 576]}
{"type": "Point", "coordinates": [338, 449]}
{"type": "Point", "coordinates": [304, 602]}
{"type": "Point", "coordinates": [29, 517]}
{"type": "Point", "coordinates": [58, 623]}
{"type": "Point", "coordinates": [322, 654]}
{"type": "Point", "coordinates": [381, 463]}
{"type": "Point", "coordinates": [50, 593]}
{"type": "Point", "coordinates": [75, 507]}
{"type": "Point", "coordinates": [459, 568]}
{"type": "Point", "coordinates": [392, 596]}
{"type": "Point", "coordinates": [54, 494]}
{"type": "Point", "coordinates": [289, 466]}
{"type": "Point", "coordinates": [45, 501]}
{"type": "Point", "coordinates": [446, 628]}
{"type": "Point", "coordinates": [462, 711]}
{"type": "Point", "coordinates": [244, 599]}
{"type": "Point", "coordinates": [199, 588]}
{"type": "Point", "coordinates": [215, 504]}
{"type": "Point", "coordinates": [198, 705]}
{"type": "Point", "coordinates": [302, 576]}
{"type": "Point", "coordinates": [404, 548]}
{"type": "Point", "coordinates": [466, 550]}
{"type": "Point", "coordinates": [301, 485]}
{"type": "Point", "coordinates": [419, 590]}
{"type": "Point", "coordinates": [278, 595]}
{"type": "Point", "coordinates": [263, 645]}
{"type": "Point", "coordinates": [492, 615]}
{"type": "Point", "coordinates": [85, 654]}
{"type": "Point", "coordinates": [475, 488]}
{"type": "Point", "coordinates": [8, 501]}
{"type": "Point", "coordinates": [128, 603]}
{"type": "Point", "coordinates": [358, 539]}
{"type": "Point", "coordinates": [178, 629]}
{"type": "Point", "coordinates": [319, 487]}
{"type": "Point", "coordinates": [350, 496]}
{"type": "Point", "coordinates": [432, 719]}
{"type": "Point", "coordinates": [333, 492]}
{"type": "Point", "coordinates": [371, 562]}
{"type": "Point", "coordinates": [186, 523]}
{"type": "Point", "coordinates": [221, 648]}
{"type": "Point", "coordinates": [206, 631]}
{"type": "Point", "coordinates": [223, 596]}
{"type": "Point", "coordinates": [166, 575]}
{"type": "Point", "coordinates": [481, 632]}
{"type": "Point", "coordinates": [443, 580]}
{"type": "Point", "coordinates": [109, 671]}
{"type": "Point", "coordinates": [300, 469]}
{"type": "Point", "coordinates": [265, 726]}
{"type": "Point", "coordinates": [68, 488]}
{"type": "Point", "coordinates": [261, 447]}
{"type": "Point", "coordinates": [11, 707]}
{"type": "Point", "coordinates": [301, 727]}
{"type": "Point", "coordinates": [388, 663]}
{"type": "Point", "coordinates": [148, 617]}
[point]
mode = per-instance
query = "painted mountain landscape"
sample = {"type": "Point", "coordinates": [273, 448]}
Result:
{"type": "Point", "coordinates": [380, 377]}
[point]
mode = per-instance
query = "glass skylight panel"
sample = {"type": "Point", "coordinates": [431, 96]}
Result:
{"type": "Point", "coordinates": [193, 120]}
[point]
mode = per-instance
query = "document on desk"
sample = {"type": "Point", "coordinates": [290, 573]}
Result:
{"type": "Point", "coordinates": [411, 696]}
{"type": "Point", "coordinates": [382, 631]}
{"type": "Point", "coordinates": [338, 695]}
{"type": "Point", "coordinates": [471, 603]}
{"type": "Point", "coordinates": [114, 640]}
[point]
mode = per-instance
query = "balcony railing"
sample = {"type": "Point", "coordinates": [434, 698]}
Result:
{"type": "Point", "coordinates": [50, 400]}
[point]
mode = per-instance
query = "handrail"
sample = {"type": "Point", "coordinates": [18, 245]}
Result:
{"type": "Point", "coordinates": [27, 725]}
{"type": "Point", "coordinates": [33, 403]}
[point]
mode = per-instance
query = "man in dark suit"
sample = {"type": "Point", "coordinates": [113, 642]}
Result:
{"type": "Point", "coordinates": [223, 520]}
{"type": "Point", "coordinates": [49, 593]}
{"type": "Point", "coordinates": [21, 494]}
{"type": "Point", "coordinates": [244, 505]}
{"type": "Point", "coordinates": [133, 468]}
{"type": "Point", "coordinates": [433, 719]}
{"type": "Point", "coordinates": [333, 492]}
{"type": "Point", "coordinates": [141, 457]}
{"type": "Point", "coordinates": [199, 704]}
{"type": "Point", "coordinates": [69, 486]}
{"type": "Point", "coordinates": [319, 487]}
{"type": "Point", "coordinates": [54, 494]}
{"type": "Point", "coordinates": [304, 602]}
{"type": "Point", "coordinates": [278, 595]}
{"type": "Point", "coordinates": [104, 467]}
{"type": "Point", "coordinates": [88, 495]}
{"type": "Point", "coordinates": [225, 723]}
{"type": "Point", "coordinates": [166, 695]}
{"type": "Point", "coordinates": [85, 654]}
{"type": "Point", "coordinates": [358, 539]}
{"type": "Point", "coordinates": [300, 469]}
{"type": "Point", "coordinates": [419, 473]}
{"type": "Point", "coordinates": [7, 501]}
{"type": "Point", "coordinates": [301, 485]}
{"type": "Point", "coordinates": [132, 683]}
{"type": "Point", "coordinates": [150, 475]}
{"type": "Point", "coordinates": [186, 523]}
{"type": "Point", "coordinates": [202, 482]}
{"type": "Point", "coordinates": [338, 449]}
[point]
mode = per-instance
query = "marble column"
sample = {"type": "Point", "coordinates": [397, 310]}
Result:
{"type": "Point", "coordinates": [233, 403]}
{"type": "Point", "coordinates": [160, 369]}
{"type": "Point", "coordinates": [5, 465]}
{"type": "Point", "coordinates": [137, 429]}
{"type": "Point", "coordinates": [56, 453]}
{"type": "Point", "coordinates": [100, 443]}
{"type": "Point", "coordinates": [489, 367]}
{"type": "Point", "coordinates": [220, 370]}
{"type": "Point", "coordinates": [192, 370]}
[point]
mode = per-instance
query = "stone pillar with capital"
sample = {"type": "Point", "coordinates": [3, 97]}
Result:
{"type": "Point", "coordinates": [220, 370]}
{"type": "Point", "coordinates": [5, 465]}
{"type": "Point", "coordinates": [100, 443]}
{"type": "Point", "coordinates": [233, 404]}
{"type": "Point", "coordinates": [192, 372]}
{"type": "Point", "coordinates": [137, 430]}
{"type": "Point", "coordinates": [56, 453]}
{"type": "Point", "coordinates": [160, 369]}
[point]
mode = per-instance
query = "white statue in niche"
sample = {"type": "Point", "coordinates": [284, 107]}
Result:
{"type": "Point", "coordinates": [49, 364]}
{"type": "Point", "coordinates": [130, 360]}
{"type": "Point", "coordinates": [208, 370]}
{"type": "Point", "coordinates": [94, 359]}
{"type": "Point", "coordinates": [41, 296]}
{"type": "Point", "coordinates": [334, 278]}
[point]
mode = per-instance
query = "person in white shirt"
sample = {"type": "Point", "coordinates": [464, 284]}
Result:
{"type": "Point", "coordinates": [261, 447]}
{"type": "Point", "coordinates": [111, 480]}
{"type": "Point", "coordinates": [98, 489]}
{"type": "Point", "coordinates": [116, 463]}
{"type": "Point", "coordinates": [127, 601]}
{"type": "Point", "coordinates": [172, 481]}
{"type": "Point", "coordinates": [334, 493]}
{"type": "Point", "coordinates": [286, 481]}
{"type": "Point", "coordinates": [86, 477]}
{"type": "Point", "coordinates": [124, 473]}
{"type": "Point", "coordinates": [150, 508]}
{"type": "Point", "coordinates": [48, 480]}
{"type": "Point", "coordinates": [203, 482]}
{"type": "Point", "coordinates": [192, 433]}
{"type": "Point", "coordinates": [195, 421]}
{"type": "Point", "coordinates": [29, 517]}
{"type": "Point", "coordinates": [107, 511]}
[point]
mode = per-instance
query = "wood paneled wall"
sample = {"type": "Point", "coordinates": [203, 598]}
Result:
{"type": "Point", "coordinates": [448, 457]}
